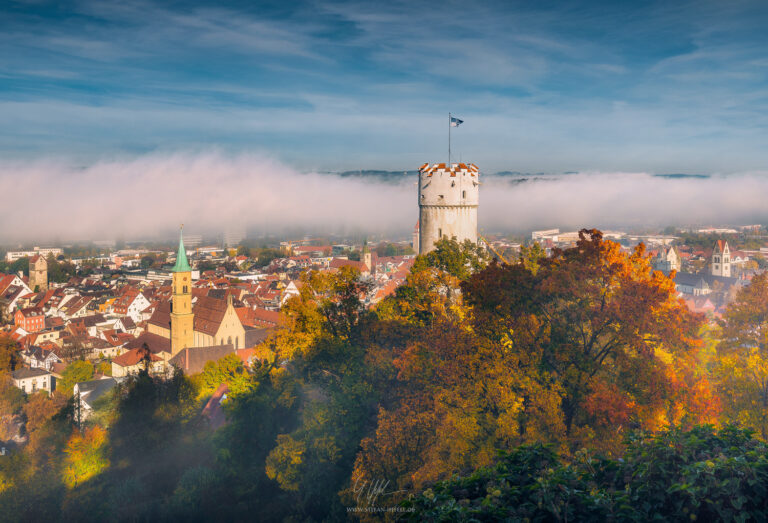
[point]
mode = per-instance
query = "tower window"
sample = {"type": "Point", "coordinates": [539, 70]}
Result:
{"type": "Point", "coordinates": [439, 233]}
{"type": "Point", "coordinates": [463, 194]}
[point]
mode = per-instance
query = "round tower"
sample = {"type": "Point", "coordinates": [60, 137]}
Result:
{"type": "Point", "coordinates": [448, 199]}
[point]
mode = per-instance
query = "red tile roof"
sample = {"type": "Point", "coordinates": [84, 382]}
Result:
{"type": "Point", "coordinates": [132, 357]}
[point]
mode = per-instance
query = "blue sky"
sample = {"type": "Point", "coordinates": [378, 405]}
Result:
{"type": "Point", "coordinates": [542, 86]}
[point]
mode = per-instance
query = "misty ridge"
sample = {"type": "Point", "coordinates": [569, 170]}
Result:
{"type": "Point", "coordinates": [213, 191]}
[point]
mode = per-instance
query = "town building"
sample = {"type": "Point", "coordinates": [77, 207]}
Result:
{"type": "Point", "coordinates": [32, 380]}
{"type": "Point", "coordinates": [38, 273]}
{"type": "Point", "coordinates": [667, 260]}
{"type": "Point", "coordinates": [31, 319]}
{"type": "Point", "coordinates": [12, 256]}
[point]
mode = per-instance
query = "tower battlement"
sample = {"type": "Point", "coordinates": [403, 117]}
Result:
{"type": "Point", "coordinates": [448, 199]}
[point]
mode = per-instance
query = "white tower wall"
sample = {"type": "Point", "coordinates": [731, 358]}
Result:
{"type": "Point", "coordinates": [448, 200]}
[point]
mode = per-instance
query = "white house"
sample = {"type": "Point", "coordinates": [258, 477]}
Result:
{"type": "Point", "coordinates": [86, 394]}
{"type": "Point", "coordinates": [32, 380]}
{"type": "Point", "coordinates": [39, 358]}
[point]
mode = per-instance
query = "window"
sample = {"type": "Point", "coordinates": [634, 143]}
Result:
{"type": "Point", "coordinates": [439, 233]}
{"type": "Point", "coordinates": [463, 194]}
{"type": "Point", "coordinates": [184, 291]}
{"type": "Point", "coordinates": [717, 267]}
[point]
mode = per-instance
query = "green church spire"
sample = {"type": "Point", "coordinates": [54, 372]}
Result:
{"type": "Point", "coordinates": [182, 265]}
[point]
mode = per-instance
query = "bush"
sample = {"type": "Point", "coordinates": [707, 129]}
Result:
{"type": "Point", "coordinates": [701, 474]}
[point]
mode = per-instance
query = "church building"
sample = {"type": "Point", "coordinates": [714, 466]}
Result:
{"type": "Point", "coordinates": [721, 259]}
{"type": "Point", "coordinates": [208, 322]}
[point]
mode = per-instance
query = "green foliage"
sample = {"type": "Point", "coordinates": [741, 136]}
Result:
{"type": "Point", "coordinates": [11, 397]}
{"type": "Point", "coordinates": [76, 372]}
{"type": "Point", "coordinates": [59, 272]}
{"type": "Point", "coordinates": [697, 475]}
{"type": "Point", "coordinates": [531, 256]}
{"type": "Point", "coordinates": [393, 249]}
{"type": "Point", "coordinates": [457, 259]}
{"type": "Point", "coordinates": [229, 370]}
{"type": "Point", "coordinates": [148, 260]}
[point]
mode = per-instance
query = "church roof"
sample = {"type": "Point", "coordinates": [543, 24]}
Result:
{"type": "Point", "coordinates": [209, 312]}
{"type": "Point", "coordinates": [162, 315]}
{"type": "Point", "coordinates": [182, 265]}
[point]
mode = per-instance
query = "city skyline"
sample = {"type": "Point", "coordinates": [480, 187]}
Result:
{"type": "Point", "coordinates": [336, 86]}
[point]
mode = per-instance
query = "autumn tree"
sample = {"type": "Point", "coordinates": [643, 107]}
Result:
{"type": "Point", "coordinates": [9, 353]}
{"type": "Point", "coordinates": [230, 370]}
{"type": "Point", "coordinates": [601, 324]}
{"type": "Point", "coordinates": [742, 366]}
{"type": "Point", "coordinates": [457, 259]}
{"type": "Point", "coordinates": [572, 349]}
{"type": "Point", "coordinates": [76, 372]}
{"type": "Point", "coordinates": [86, 456]}
{"type": "Point", "coordinates": [323, 350]}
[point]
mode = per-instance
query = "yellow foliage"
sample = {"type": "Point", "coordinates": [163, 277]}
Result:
{"type": "Point", "coordinates": [85, 456]}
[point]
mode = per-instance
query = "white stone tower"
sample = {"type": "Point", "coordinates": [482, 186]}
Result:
{"type": "Point", "coordinates": [448, 199]}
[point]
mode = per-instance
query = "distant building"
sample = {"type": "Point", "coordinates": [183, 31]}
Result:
{"type": "Point", "coordinates": [721, 259]}
{"type": "Point", "coordinates": [539, 235]}
{"type": "Point", "coordinates": [38, 273]}
{"type": "Point", "coordinates": [193, 240]}
{"type": "Point", "coordinates": [12, 256]}
{"type": "Point", "coordinates": [233, 238]}
{"type": "Point", "coordinates": [668, 259]}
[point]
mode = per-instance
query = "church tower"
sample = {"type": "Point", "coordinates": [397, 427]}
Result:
{"type": "Point", "coordinates": [721, 259]}
{"type": "Point", "coordinates": [38, 273]}
{"type": "Point", "coordinates": [448, 200]}
{"type": "Point", "coordinates": [182, 319]}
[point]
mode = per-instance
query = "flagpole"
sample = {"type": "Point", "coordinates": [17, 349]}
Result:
{"type": "Point", "coordinates": [449, 140]}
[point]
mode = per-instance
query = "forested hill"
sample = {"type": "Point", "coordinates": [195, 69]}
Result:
{"type": "Point", "coordinates": [354, 413]}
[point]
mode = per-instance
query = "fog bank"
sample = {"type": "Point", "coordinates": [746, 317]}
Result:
{"type": "Point", "coordinates": [214, 191]}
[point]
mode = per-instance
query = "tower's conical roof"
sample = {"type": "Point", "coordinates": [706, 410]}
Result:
{"type": "Point", "coordinates": [182, 265]}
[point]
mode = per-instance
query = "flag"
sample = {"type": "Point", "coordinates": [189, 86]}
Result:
{"type": "Point", "coordinates": [455, 122]}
